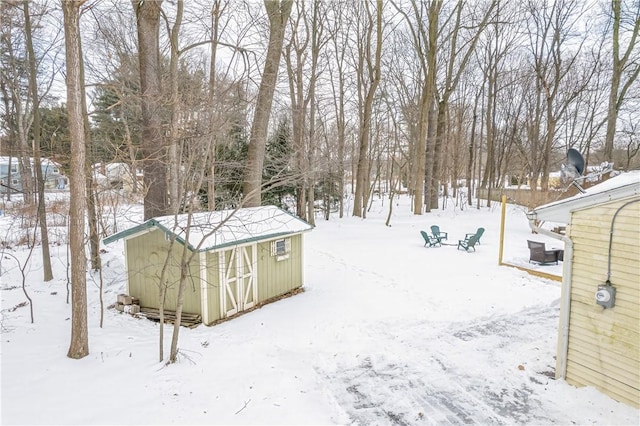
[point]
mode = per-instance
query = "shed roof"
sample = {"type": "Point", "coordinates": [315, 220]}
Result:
{"type": "Point", "coordinates": [224, 228]}
{"type": "Point", "coordinates": [618, 187]}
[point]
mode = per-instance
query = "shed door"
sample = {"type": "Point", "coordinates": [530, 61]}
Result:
{"type": "Point", "coordinates": [238, 289]}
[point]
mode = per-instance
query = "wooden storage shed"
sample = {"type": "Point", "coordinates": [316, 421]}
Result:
{"type": "Point", "coordinates": [599, 333]}
{"type": "Point", "coordinates": [243, 258]}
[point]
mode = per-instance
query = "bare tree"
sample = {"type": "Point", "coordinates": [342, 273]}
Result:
{"type": "Point", "coordinates": [461, 47]}
{"type": "Point", "coordinates": [625, 68]}
{"type": "Point", "coordinates": [423, 24]}
{"type": "Point", "coordinates": [278, 12]}
{"type": "Point", "coordinates": [368, 75]}
{"type": "Point", "coordinates": [35, 96]}
{"type": "Point", "coordinates": [337, 78]}
{"type": "Point", "coordinates": [295, 55]}
{"type": "Point", "coordinates": [79, 346]}
{"type": "Point", "coordinates": [632, 144]}
{"type": "Point", "coordinates": [15, 84]}
{"type": "Point", "coordinates": [217, 9]}
{"type": "Point", "coordinates": [552, 63]}
{"type": "Point", "coordinates": [307, 39]}
{"type": "Point", "coordinates": [174, 106]}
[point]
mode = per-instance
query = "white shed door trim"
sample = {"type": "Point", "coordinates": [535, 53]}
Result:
{"type": "Point", "coordinates": [204, 291]}
{"type": "Point", "coordinates": [238, 290]}
{"type": "Point", "coordinates": [247, 274]}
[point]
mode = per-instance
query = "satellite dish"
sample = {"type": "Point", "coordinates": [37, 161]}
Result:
{"type": "Point", "coordinates": [575, 160]}
{"type": "Point", "coordinates": [574, 168]}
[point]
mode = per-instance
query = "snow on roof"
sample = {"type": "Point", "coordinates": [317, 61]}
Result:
{"type": "Point", "coordinates": [621, 186]}
{"type": "Point", "coordinates": [217, 229]}
{"type": "Point", "coordinates": [15, 160]}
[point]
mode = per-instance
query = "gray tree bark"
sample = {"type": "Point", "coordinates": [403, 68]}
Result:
{"type": "Point", "coordinates": [620, 64]}
{"type": "Point", "coordinates": [278, 12]}
{"type": "Point", "coordinates": [361, 195]}
{"type": "Point", "coordinates": [174, 160]}
{"type": "Point", "coordinates": [79, 346]}
{"type": "Point", "coordinates": [156, 201]}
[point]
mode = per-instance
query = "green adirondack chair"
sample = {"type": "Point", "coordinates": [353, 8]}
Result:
{"type": "Point", "coordinates": [469, 243]}
{"type": "Point", "coordinates": [428, 239]}
{"type": "Point", "coordinates": [437, 233]}
{"type": "Point", "coordinates": [479, 233]}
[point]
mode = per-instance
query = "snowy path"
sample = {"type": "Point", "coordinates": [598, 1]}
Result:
{"type": "Point", "coordinates": [416, 379]}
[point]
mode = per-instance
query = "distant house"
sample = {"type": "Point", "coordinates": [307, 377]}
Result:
{"type": "Point", "coordinates": [243, 259]}
{"type": "Point", "coordinates": [11, 178]}
{"type": "Point", "coordinates": [116, 176]}
{"type": "Point", "coordinates": [599, 333]}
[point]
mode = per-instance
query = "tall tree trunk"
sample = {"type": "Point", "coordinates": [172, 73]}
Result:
{"type": "Point", "coordinates": [310, 160]}
{"type": "Point", "coordinates": [470, 175]}
{"type": "Point", "coordinates": [36, 128]}
{"type": "Point", "coordinates": [432, 131]}
{"type": "Point", "coordinates": [374, 72]}
{"type": "Point", "coordinates": [156, 202]}
{"type": "Point", "coordinates": [617, 95]}
{"type": "Point", "coordinates": [420, 162]}
{"type": "Point", "coordinates": [298, 113]}
{"type": "Point", "coordinates": [427, 127]}
{"type": "Point", "coordinates": [339, 107]}
{"type": "Point", "coordinates": [441, 129]}
{"type": "Point", "coordinates": [216, 12]}
{"type": "Point", "coordinates": [79, 346]}
{"type": "Point", "coordinates": [174, 105]}
{"type": "Point", "coordinates": [487, 178]}
{"type": "Point", "coordinates": [93, 204]}
{"type": "Point", "coordinates": [278, 12]}
{"type": "Point", "coordinates": [311, 99]}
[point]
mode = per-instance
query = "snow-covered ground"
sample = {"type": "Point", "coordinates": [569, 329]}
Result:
{"type": "Point", "coordinates": [387, 332]}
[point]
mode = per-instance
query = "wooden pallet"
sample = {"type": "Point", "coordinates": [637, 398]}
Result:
{"type": "Point", "coordinates": [187, 319]}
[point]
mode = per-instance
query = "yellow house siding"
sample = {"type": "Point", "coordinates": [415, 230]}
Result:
{"type": "Point", "coordinates": [585, 377]}
{"type": "Point", "coordinates": [604, 344]}
{"type": "Point", "coordinates": [278, 277]}
{"type": "Point", "coordinates": [616, 343]}
{"type": "Point", "coordinates": [146, 255]}
{"type": "Point", "coordinates": [585, 266]}
{"type": "Point", "coordinates": [609, 368]}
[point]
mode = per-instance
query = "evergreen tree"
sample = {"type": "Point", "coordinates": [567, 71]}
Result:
{"type": "Point", "coordinates": [55, 142]}
{"type": "Point", "coordinates": [277, 175]}
{"type": "Point", "coordinates": [230, 162]}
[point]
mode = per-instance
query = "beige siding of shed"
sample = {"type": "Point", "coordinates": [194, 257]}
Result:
{"type": "Point", "coordinates": [146, 255]}
{"type": "Point", "coordinates": [279, 277]}
{"type": "Point", "coordinates": [212, 284]}
{"type": "Point", "coordinates": [604, 344]}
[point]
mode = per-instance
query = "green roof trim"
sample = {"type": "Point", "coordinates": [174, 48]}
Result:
{"type": "Point", "coordinates": [131, 231]}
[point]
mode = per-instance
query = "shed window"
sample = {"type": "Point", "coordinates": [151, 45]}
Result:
{"type": "Point", "coordinates": [281, 248]}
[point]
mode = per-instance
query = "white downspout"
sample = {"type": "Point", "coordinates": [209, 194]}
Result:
{"type": "Point", "coordinates": [565, 298]}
